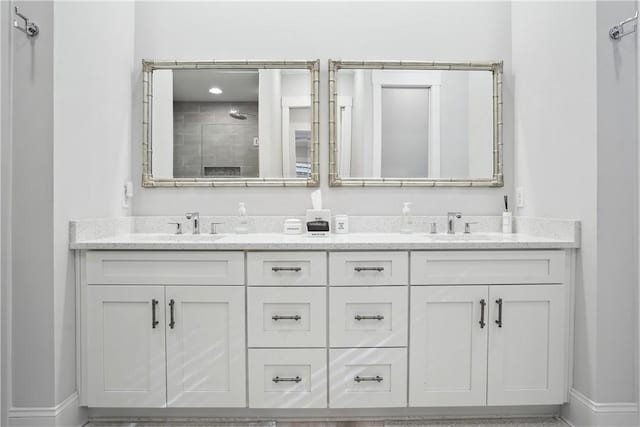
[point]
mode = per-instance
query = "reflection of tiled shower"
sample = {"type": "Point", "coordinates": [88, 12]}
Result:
{"type": "Point", "coordinates": [208, 142]}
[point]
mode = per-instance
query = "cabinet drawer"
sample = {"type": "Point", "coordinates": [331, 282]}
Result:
{"type": "Point", "coordinates": [165, 268]}
{"type": "Point", "coordinates": [368, 268]}
{"type": "Point", "coordinates": [287, 378]}
{"type": "Point", "coordinates": [368, 316]}
{"type": "Point", "coordinates": [365, 378]}
{"type": "Point", "coordinates": [486, 267]}
{"type": "Point", "coordinates": [287, 317]}
{"type": "Point", "coordinates": [287, 268]}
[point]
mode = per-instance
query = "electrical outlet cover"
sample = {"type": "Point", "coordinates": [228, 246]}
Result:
{"type": "Point", "coordinates": [519, 197]}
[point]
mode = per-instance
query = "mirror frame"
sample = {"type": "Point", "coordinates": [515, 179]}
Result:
{"type": "Point", "coordinates": [496, 180]}
{"type": "Point", "coordinates": [148, 181]}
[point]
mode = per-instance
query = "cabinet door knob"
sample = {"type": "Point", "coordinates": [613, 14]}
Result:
{"type": "Point", "coordinates": [483, 304]}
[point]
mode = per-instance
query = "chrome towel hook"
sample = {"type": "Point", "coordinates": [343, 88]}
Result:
{"type": "Point", "coordinates": [617, 31]}
{"type": "Point", "coordinates": [30, 28]}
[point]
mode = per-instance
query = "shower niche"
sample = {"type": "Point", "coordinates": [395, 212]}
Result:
{"type": "Point", "coordinates": [230, 123]}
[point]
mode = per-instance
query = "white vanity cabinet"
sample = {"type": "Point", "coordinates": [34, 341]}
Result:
{"type": "Point", "coordinates": [314, 329]}
{"type": "Point", "coordinates": [485, 344]}
{"type": "Point", "coordinates": [163, 346]}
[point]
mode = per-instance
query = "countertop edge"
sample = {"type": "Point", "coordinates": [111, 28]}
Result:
{"type": "Point", "coordinates": [319, 246]}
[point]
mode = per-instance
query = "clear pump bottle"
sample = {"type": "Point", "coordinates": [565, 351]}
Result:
{"type": "Point", "coordinates": [243, 220]}
{"type": "Point", "coordinates": [407, 219]}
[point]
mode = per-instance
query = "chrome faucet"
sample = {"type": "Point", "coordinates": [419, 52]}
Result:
{"type": "Point", "coordinates": [451, 216]}
{"type": "Point", "coordinates": [195, 216]}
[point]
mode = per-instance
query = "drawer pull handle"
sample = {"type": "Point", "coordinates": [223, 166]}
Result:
{"type": "Point", "coordinates": [172, 321]}
{"type": "Point", "coordinates": [276, 317]}
{"type": "Point", "coordinates": [378, 269]}
{"type": "Point", "coordinates": [277, 269]}
{"type": "Point", "coordinates": [483, 303]}
{"type": "Point", "coordinates": [377, 317]}
{"type": "Point", "coordinates": [295, 379]}
{"type": "Point", "coordinates": [154, 322]}
{"type": "Point", "coordinates": [360, 379]}
{"type": "Point", "coordinates": [499, 321]}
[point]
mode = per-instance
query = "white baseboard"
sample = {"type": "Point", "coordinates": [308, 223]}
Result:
{"type": "Point", "coordinates": [584, 412]}
{"type": "Point", "coordinates": [67, 413]}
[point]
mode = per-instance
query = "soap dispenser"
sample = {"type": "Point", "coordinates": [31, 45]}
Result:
{"type": "Point", "coordinates": [407, 219]}
{"type": "Point", "coordinates": [243, 220]}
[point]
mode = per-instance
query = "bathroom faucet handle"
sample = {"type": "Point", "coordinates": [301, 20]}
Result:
{"type": "Point", "coordinates": [433, 227]}
{"type": "Point", "coordinates": [213, 227]}
{"type": "Point", "coordinates": [178, 226]}
{"type": "Point", "coordinates": [467, 226]}
{"type": "Point", "coordinates": [456, 214]}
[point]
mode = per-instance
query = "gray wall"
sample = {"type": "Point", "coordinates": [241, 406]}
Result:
{"type": "Point", "coordinates": [92, 140]}
{"type": "Point", "coordinates": [617, 191]}
{"type": "Point", "coordinates": [60, 160]}
{"type": "Point", "coordinates": [575, 120]}
{"type": "Point", "coordinates": [301, 30]}
{"type": "Point", "coordinates": [32, 292]}
{"type": "Point", "coordinates": [5, 249]}
{"type": "Point", "coordinates": [206, 136]}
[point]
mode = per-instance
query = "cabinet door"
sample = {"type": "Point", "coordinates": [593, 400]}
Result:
{"type": "Point", "coordinates": [126, 348]}
{"type": "Point", "coordinates": [205, 346]}
{"type": "Point", "coordinates": [448, 346]}
{"type": "Point", "coordinates": [526, 345]}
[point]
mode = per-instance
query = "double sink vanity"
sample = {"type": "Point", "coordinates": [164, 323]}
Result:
{"type": "Point", "coordinates": [450, 315]}
{"type": "Point", "coordinates": [361, 320]}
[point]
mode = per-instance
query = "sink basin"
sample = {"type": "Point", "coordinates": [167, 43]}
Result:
{"type": "Point", "coordinates": [472, 237]}
{"type": "Point", "coordinates": [162, 237]}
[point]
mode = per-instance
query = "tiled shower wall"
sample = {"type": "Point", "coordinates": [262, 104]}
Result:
{"type": "Point", "coordinates": [208, 142]}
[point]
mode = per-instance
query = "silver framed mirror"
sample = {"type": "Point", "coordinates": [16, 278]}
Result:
{"type": "Point", "coordinates": [230, 123]}
{"type": "Point", "coordinates": [415, 123]}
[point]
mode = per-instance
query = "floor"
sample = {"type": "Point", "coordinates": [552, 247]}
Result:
{"type": "Point", "coordinates": [513, 422]}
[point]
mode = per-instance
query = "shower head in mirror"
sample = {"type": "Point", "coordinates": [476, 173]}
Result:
{"type": "Point", "coordinates": [238, 115]}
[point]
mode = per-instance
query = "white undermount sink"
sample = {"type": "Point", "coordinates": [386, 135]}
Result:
{"type": "Point", "coordinates": [470, 237]}
{"type": "Point", "coordinates": [163, 237]}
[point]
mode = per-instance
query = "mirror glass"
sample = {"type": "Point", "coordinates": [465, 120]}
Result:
{"type": "Point", "coordinates": [247, 125]}
{"type": "Point", "coordinates": [430, 126]}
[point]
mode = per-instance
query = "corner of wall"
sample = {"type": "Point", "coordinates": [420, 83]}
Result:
{"type": "Point", "coordinates": [581, 411]}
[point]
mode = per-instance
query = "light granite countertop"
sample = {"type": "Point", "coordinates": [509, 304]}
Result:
{"type": "Point", "coordinates": [354, 241]}
{"type": "Point", "coordinates": [369, 233]}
